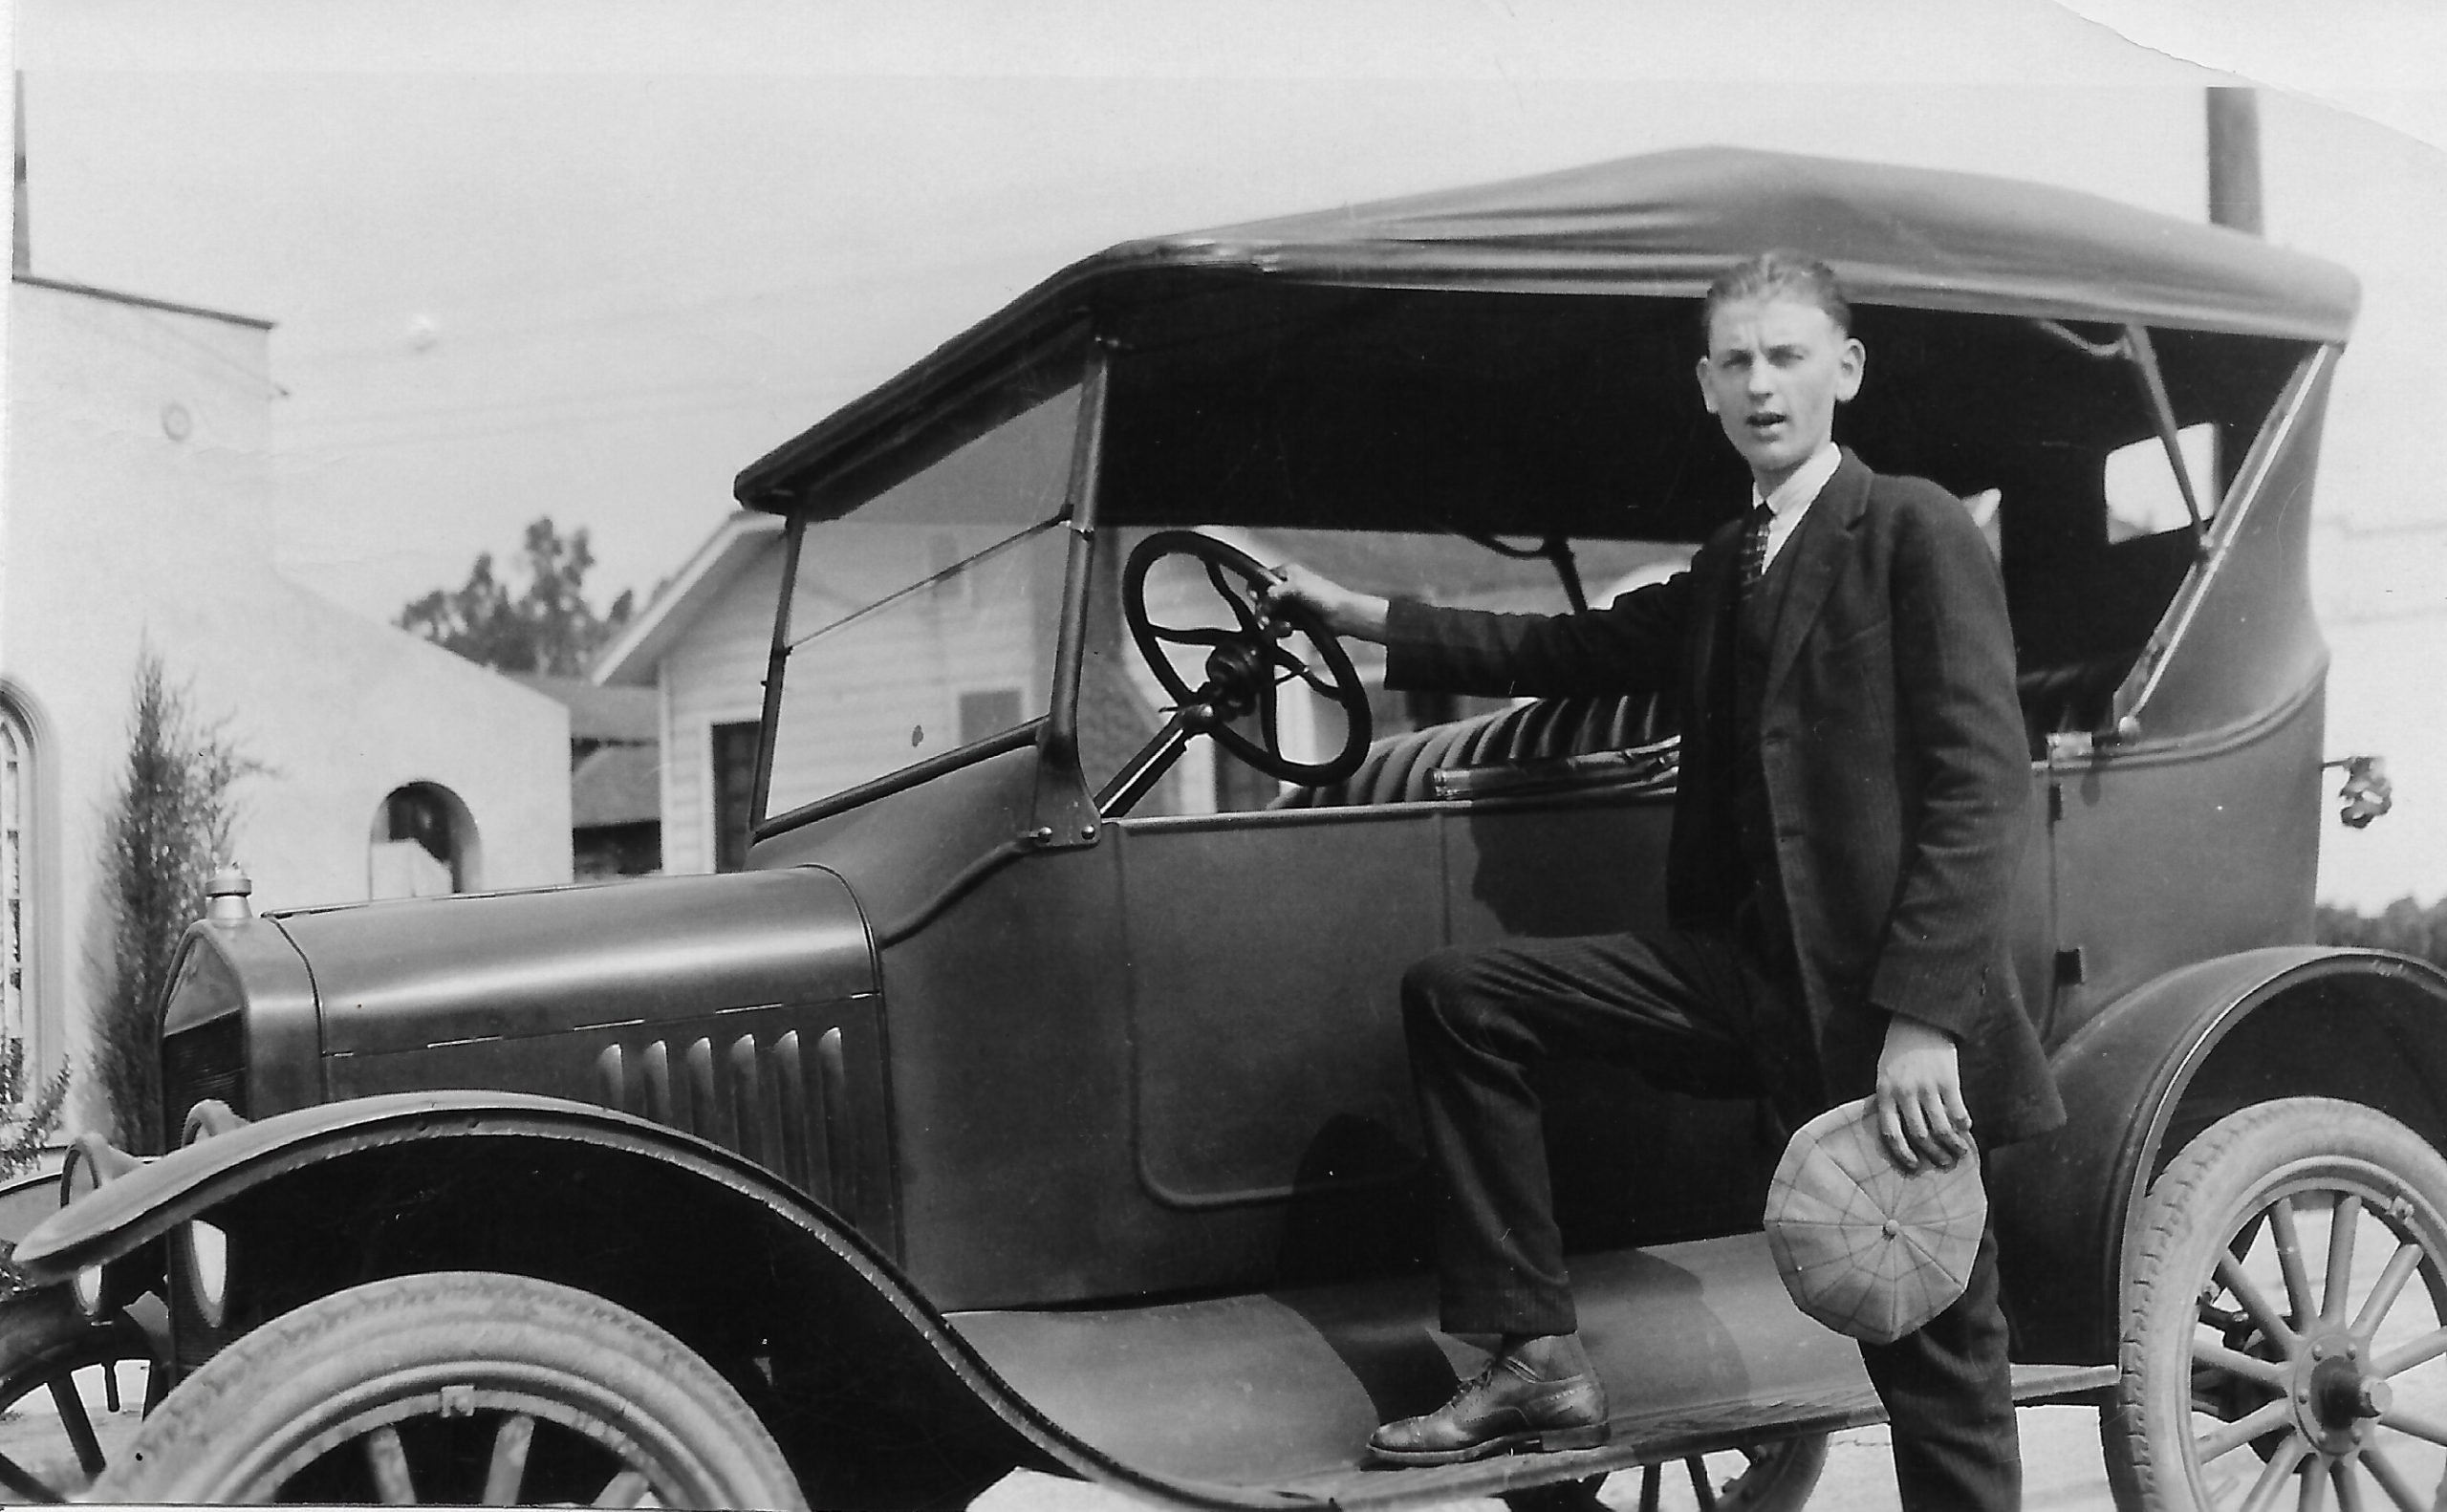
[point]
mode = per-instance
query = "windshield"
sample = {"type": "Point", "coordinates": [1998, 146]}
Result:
{"type": "Point", "coordinates": [924, 620]}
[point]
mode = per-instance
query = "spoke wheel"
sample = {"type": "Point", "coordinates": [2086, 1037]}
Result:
{"type": "Point", "coordinates": [458, 1387]}
{"type": "Point", "coordinates": [2277, 1352]}
{"type": "Point", "coordinates": [68, 1393]}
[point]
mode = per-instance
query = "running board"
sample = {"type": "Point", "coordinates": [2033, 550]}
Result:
{"type": "Point", "coordinates": [1268, 1398]}
{"type": "Point", "coordinates": [1663, 1437]}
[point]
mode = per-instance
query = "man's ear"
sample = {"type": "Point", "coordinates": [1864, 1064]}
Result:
{"type": "Point", "coordinates": [1707, 395]}
{"type": "Point", "coordinates": [1848, 367]}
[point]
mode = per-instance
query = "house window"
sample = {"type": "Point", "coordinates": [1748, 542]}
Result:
{"type": "Point", "coordinates": [16, 807]}
{"type": "Point", "coordinates": [423, 844]}
{"type": "Point", "coordinates": [990, 711]}
{"type": "Point", "coordinates": [734, 793]}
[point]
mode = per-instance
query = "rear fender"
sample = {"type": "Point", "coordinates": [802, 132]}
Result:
{"type": "Point", "coordinates": [2166, 1061]}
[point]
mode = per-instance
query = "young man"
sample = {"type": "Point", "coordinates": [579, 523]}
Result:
{"type": "Point", "coordinates": [1854, 795]}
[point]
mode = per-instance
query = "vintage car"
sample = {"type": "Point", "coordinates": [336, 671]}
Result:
{"type": "Point", "coordinates": [1036, 1094]}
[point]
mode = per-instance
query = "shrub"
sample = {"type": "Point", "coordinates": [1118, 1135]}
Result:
{"type": "Point", "coordinates": [170, 826]}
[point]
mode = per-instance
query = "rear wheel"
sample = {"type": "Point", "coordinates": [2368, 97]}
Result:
{"type": "Point", "coordinates": [456, 1387]}
{"type": "Point", "coordinates": [2277, 1352]}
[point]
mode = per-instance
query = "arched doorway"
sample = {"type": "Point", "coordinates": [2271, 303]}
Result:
{"type": "Point", "coordinates": [423, 844]}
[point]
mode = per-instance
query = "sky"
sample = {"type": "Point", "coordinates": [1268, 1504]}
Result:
{"type": "Point", "coordinates": [588, 260]}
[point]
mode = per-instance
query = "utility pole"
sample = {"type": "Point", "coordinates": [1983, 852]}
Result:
{"type": "Point", "coordinates": [2234, 159]}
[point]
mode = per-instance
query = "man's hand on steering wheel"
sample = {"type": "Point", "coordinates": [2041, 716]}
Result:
{"type": "Point", "coordinates": [1344, 611]}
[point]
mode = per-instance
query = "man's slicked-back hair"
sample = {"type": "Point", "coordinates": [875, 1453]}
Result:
{"type": "Point", "coordinates": [1779, 274]}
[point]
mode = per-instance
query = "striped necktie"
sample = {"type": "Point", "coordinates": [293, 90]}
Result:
{"type": "Point", "coordinates": [1754, 545]}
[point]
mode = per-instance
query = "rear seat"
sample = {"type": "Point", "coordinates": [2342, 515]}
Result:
{"type": "Point", "coordinates": [1530, 744]}
{"type": "Point", "coordinates": [1509, 748]}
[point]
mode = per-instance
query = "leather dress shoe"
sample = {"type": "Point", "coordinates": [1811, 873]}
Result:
{"type": "Point", "coordinates": [1507, 1408]}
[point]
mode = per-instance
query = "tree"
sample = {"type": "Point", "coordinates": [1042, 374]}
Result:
{"type": "Point", "coordinates": [547, 626]}
{"type": "Point", "coordinates": [170, 825]}
{"type": "Point", "coordinates": [2403, 925]}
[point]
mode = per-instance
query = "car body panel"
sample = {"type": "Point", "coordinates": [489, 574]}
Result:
{"type": "Point", "coordinates": [2167, 1060]}
{"type": "Point", "coordinates": [494, 966]}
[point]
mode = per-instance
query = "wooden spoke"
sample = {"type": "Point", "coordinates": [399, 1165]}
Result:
{"type": "Point", "coordinates": [1701, 1491]}
{"type": "Point", "coordinates": [2416, 1424]}
{"type": "Point", "coordinates": [2348, 1490]}
{"type": "Point", "coordinates": [2392, 1482]}
{"type": "Point", "coordinates": [2313, 1494]}
{"type": "Point", "coordinates": [2301, 1307]}
{"type": "Point", "coordinates": [626, 1489]}
{"type": "Point", "coordinates": [509, 1469]}
{"type": "Point", "coordinates": [2229, 1436]}
{"type": "Point", "coordinates": [2273, 1476]}
{"type": "Point", "coordinates": [1652, 1487]}
{"type": "Point", "coordinates": [2234, 1362]}
{"type": "Point", "coordinates": [14, 1477]}
{"type": "Point", "coordinates": [389, 1461]}
{"type": "Point", "coordinates": [72, 1419]}
{"type": "Point", "coordinates": [2429, 1347]}
{"type": "Point", "coordinates": [2272, 1322]}
{"type": "Point", "coordinates": [2391, 1280]}
{"type": "Point", "coordinates": [2342, 1225]}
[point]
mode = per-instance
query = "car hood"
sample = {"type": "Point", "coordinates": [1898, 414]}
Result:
{"type": "Point", "coordinates": [403, 975]}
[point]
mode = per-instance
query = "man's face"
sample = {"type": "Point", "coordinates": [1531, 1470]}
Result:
{"type": "Point", "coordinates": [1775, 371]}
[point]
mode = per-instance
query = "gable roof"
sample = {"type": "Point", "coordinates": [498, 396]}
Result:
{"type": "Point", "coordinates": [632, 655]}
{"type": "Point", "coordinates": [616, 785]}
{"type": "Point", "coordinates": [597, 713]}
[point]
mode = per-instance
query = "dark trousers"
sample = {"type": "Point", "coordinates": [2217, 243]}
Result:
{"type": "Point", "coordinates": [1705, 1013]}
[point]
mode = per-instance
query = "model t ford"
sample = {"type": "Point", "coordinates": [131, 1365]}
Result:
{"type": "Point", "coordinates": [1035, 1097]}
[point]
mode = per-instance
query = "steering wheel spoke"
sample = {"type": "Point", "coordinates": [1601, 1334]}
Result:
{"type": "Point", "coordinates": [1202, 636]}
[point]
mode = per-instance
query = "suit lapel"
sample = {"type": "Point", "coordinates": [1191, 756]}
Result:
{"type": "Point", "coordinates": [1819, 547]}
{"type": "Point", "coordinates": [1712, 589]}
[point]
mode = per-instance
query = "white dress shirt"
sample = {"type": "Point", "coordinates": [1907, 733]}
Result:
{"type": "Point", "coordinates": [1795, 496]}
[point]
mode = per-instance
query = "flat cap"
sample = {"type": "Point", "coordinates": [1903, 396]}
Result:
{"type": "Point", "coordinates": [1865, 1247]}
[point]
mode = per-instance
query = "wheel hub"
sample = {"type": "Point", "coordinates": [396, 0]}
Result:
{"type": "Point", "coordinates": [2333, 1395]}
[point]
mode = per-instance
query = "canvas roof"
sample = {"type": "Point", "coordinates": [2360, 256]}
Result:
{"type": "Point", "coordinates": [1658, 225]}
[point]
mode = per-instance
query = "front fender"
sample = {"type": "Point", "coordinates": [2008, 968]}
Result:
{"type": "Point", "coordinates": [121, 1216]}
{"type": "Point", "coordinates": [876, 1399]}
{"type": "Point", "coordinates": [2164, 1062]}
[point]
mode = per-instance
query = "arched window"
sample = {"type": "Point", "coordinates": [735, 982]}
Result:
{"type": "Point", "coordinates": [17, 871]}
{"type": "Point", "coordinates": [423, 843]}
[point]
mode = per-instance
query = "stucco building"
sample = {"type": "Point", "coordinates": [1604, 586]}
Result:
{"type": "Point", "coordinates": [140, 513]}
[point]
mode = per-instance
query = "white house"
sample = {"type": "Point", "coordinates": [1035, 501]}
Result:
{"type": "Point", "coordinates": [140, 499]}
{"type": "Point", "coordinates": [946, 666]}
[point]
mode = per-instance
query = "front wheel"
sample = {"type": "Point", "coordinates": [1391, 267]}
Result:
{"type": "Point", "coordinates": [2275, 1353]}
{"type": "Point", "coordinates": [463, 1387]}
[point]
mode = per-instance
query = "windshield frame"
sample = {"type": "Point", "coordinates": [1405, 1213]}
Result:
{"type": "Point", "coordinates": [947, 424]}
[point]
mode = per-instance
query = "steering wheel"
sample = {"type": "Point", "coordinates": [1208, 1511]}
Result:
{"type": "Point", "coordinates": [1248, 663]}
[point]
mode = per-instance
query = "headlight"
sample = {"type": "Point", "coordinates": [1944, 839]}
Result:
{"type": "Point", "coordinates": [204, 1251]}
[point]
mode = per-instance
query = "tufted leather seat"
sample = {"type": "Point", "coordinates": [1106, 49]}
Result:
{"type": "Point", "coordinates": [1399, 769]}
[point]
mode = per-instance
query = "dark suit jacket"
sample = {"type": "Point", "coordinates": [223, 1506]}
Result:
{"type": "Point", "coordinates": [1897, 776]}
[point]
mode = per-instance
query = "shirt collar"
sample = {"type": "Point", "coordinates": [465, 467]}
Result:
{"type": "Point", "coordinates": [1796, 492]}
